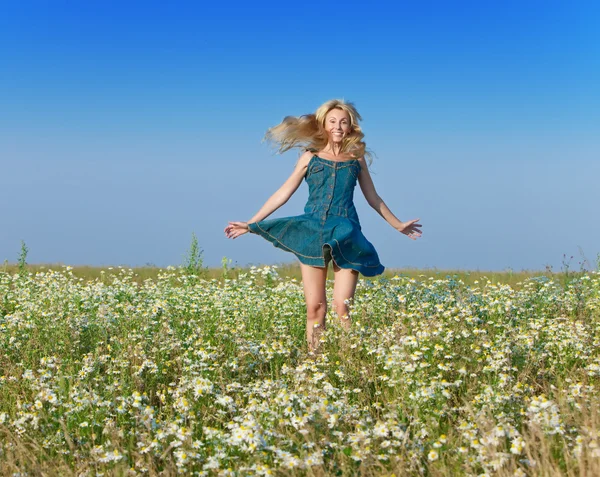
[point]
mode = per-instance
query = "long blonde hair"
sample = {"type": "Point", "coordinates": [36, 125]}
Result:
{"type": "Point", "coordinates": [308, 131]}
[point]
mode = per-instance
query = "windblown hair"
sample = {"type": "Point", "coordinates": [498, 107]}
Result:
{"type": "Point", "coordinates": [308, 131]}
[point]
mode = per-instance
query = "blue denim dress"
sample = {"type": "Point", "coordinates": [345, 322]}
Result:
{"type": "Point", "coordinates": [329, 228]}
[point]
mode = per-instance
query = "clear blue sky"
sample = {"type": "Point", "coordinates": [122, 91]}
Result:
{"type": "Point", "coordinates": [126, 126]}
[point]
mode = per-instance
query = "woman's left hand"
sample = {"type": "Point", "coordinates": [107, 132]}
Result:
{"type": "Point", "coordinates": [235, 229]}
{"type": "Point", "coordinates": [411, 229]}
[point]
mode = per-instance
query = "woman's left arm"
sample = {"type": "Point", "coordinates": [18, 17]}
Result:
{"type": "Point", "coordinates": [409, 228]}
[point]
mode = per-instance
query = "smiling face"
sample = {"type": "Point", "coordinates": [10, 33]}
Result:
{"type": "Point", "coordinates": [337, 125]}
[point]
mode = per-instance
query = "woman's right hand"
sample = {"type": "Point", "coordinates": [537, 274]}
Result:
{"type": "Point", "coordinates": [235, 229]}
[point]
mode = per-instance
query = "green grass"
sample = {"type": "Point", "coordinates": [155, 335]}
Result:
{"type": "Point", "coordinates": [155, 372]}
{"type": "Point", "coordinates": [469, 277]}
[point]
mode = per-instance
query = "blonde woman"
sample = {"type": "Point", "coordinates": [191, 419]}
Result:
{"type": "Point", "coordinates": [329, 229]}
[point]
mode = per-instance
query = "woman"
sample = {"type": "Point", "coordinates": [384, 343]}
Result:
{"type": "Point", "coordinates": [329, 230]}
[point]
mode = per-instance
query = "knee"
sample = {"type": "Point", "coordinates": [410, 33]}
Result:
{"type": "Point", "coordinates": [341, 306]}
{"type": "Point", "coordinates": [316, 311]}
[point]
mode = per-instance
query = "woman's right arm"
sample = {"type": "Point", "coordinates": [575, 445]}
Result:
{"type": "Point", "coordinates": [280, 197]}
{"type": "Point", "coordinates": [283, 194]}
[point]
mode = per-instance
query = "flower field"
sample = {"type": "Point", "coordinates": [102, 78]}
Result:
{"type": "Point", "coordinates": [212, 377]}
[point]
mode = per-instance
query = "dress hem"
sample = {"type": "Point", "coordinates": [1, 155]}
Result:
{"type": "Point", "coordinates": [339, 260]}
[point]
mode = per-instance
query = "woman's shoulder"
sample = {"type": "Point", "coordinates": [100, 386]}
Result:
{"type": "Point", "coordinates": [304, 159]}
{"type": "Point", "coordinates": [308, 153]}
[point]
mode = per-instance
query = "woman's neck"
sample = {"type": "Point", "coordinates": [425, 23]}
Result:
{"type": "Point", "coordinates": [333, 149]}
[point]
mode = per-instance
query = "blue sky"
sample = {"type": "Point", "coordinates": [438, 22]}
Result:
{"type": "Point", "coordinates": [127, 126]}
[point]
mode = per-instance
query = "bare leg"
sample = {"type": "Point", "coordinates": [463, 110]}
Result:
{"type": "Point", "coordinates": [314, 279]}
{"type": "Point", "coordinates": [343, 289]}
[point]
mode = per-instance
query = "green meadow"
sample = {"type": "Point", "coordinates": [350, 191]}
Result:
{"type": "Point", "coordinates": [291, 271]}
{"type": "Point", "coordinates": [196, 371]}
